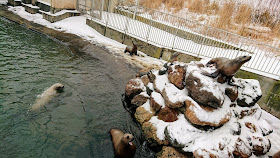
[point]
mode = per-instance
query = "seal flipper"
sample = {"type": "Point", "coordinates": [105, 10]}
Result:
{"type": "Point", "coordinates": [231, 81]}
{"type": "Point", "coordinates": [213, 75]}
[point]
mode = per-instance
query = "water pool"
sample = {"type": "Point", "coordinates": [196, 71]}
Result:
{"type": "Point", "coordinates": [76, 123]}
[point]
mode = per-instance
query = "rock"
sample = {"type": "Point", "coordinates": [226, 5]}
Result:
{"type": "Point", "coordinates": [170, 152]}
{"type": "Point", "coordinates": [163, 70]}
{"type": "Point", "coordinates": [134, 87]}
{"type": "Point", "coordinates": [251, 127]}
{"type": "Point", "coordinates": [199, 85]}
{"type": "Point", "coordinates": [143, 113]}
{"type": "Point", "coordinates": [246, 112]}
{"type": "Point", "coordinates": [249, 92]}
{"type": "Point", "coordinates": [182, 133]}
{"type": "Point", "coordinates": [260, 145]}
{"type": "Point", "coordinates": [152, 76]}
{"type": "Point", "coordinates": [143, 72]}
{"type": "Point", "coordinates": [139, 99]}
{"type": "Point", "coordinates": [202, 153]}
{"type": "Point", "coordinates": [145, 79]}
{"type": "Point", "coordinates": [173, 97]}
{"type": "Point", "coordinates": [194, 111]}
{"type": "Point", "coordinates": [232, 93]}
{"type": "Point", "coordinates": [241, 149]}
{"type": "Point", "coordinates": [265, 128]}
{"type": "Point", "coordinates": [157, 102]}
{"type": "Point", "coordinates": [150, 134]}
{"type": "Point", "coordinates": [176, 75]}
{"type": "Point", "coordinates": [236, 128]}
{"type": "Point", "coordinates": [160, 81]}
{"type": "Point", "coordinates": [167, 115]}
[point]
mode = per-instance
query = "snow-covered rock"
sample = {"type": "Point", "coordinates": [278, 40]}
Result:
{"type": "Point", "coordinates": [134, 87]}
{"type": "Point", "coordinates": [144, 113]}
{"type": "Point", "coordinates": [157, 101]}
{"type": "Point", "coordinates": [176, 75]}
{"type": "Point", "coordinates": [206, 118]}
{"type": "Point", "coordinates": [167, 114]}
{"type": "Point", "coordinates": [140, 99]}
{"type": "Point", "coordinates": [199, 85]}
{"type": "Point", "coordinates": [249, 92]}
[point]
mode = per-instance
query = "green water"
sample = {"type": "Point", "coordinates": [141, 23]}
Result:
{"type": "Point", "coordinates": [76, 122]}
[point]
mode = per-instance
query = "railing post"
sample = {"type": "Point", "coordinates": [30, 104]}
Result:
{"type": "Point", "coordinates": [101, 9]}
{"type": "Point", "coordinates": [107, 19]}
{"type": "Point", "coordinates": [240, 47]}
{"type": "Point", "coordinates": [148, 33]}
{"type": "Point", "coordinates": [92, 8]}
{"type": "Point", "coordinates": [203, 41]}
{"type": "Point", "coordinates": [175, 35]}
{"type": "Point", "coordinates": [135, 10]}
{"type": "Point", "coordinates": [77, 5]}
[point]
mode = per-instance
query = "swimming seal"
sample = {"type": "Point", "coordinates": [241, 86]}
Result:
{"type": "Point", "coordinates": [47, 95]}
{"type": "Point", "coordinates": [123, 146]}
{"type": "Point", "coordinates": [131, 50]}
{"type": "Point", "coordinates": [226, 68]}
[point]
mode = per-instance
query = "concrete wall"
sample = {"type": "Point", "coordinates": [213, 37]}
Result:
{"type": "Point", "coordinates": [269, 86]}
{"type": "Point", "coordinates": [63, 4]}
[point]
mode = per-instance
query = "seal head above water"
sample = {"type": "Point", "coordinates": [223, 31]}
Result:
{"type": "Point", "coordinates": [47, 95]}
{"type": "Point", "coordinates": [123, 145]}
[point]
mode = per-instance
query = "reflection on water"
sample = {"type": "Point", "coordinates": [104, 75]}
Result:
{"type": "Point", "coordinates": [75, 123]}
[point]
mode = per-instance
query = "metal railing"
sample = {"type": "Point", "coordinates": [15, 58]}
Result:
{"type": "Point", "coordinates": [184, 35]}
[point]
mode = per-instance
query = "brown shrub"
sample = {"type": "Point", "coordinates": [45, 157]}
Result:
{"type": "Point", "coordinates": [155, 4]}
{"type": "Point", "coordinates": [213, 8]}
{"type": "Point", "coordinates": [225, 15]}
{"type": "Point", "coordinates": [243, 15]}
{"type": "Point", "coordinates": [176, 4]}
{"type": "Point", "coordinates": [198, 6]}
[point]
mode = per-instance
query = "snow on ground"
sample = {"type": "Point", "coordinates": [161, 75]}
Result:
{"type": "Point", "coordinates": [77, 25]}
{"type": "Point", "coordinates": [3, 2]}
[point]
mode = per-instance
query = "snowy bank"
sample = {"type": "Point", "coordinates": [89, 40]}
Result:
{"type": "Point", "coordinates": [227, 122]}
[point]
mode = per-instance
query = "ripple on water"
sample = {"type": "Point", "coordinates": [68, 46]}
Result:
{"type": "Point", "coordinates": [76, 122]}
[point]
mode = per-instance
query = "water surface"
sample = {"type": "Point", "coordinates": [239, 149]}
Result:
{"type": "Point", "coordinates": [75, 123]}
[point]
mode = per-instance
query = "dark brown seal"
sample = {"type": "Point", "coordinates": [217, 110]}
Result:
{"type": "Point", "coordinates": [226, 68]}
{"type": "Point", "coordinates": [123, 146]}
{"type": "Point", "coordinates": [131, 50]}
{"type": "Point", "coordinates": [276, 155]}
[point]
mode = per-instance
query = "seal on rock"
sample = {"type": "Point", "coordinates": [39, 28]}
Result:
{"type": "Point", "coordinates": [123, 145]}
{"type": "Point", "coordinates": [47, 95]}
{"type": "Point", "coordinates": [226, 68]}
{"type": "Point", "coordinates": [131, 50]}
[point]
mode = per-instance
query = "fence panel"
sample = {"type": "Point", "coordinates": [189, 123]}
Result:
{"type": "Point", "coordinates": [184, 35]}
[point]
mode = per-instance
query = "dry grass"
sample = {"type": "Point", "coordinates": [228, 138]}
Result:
{"type": "Point", "coordinates": [155, 4]}
{"type": "Point", "coordinates": [243, 15]}
{"type": "Point", "coordinates": [196, 6]}
{"type": "Point", "coordinates": [213, 8]}
{"type": "Point", "coordinates": [230, 16]}
{"type": "Point", "coordinates": [176, 4]}
{"type": "Point", "coordinates": [225, 15]}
